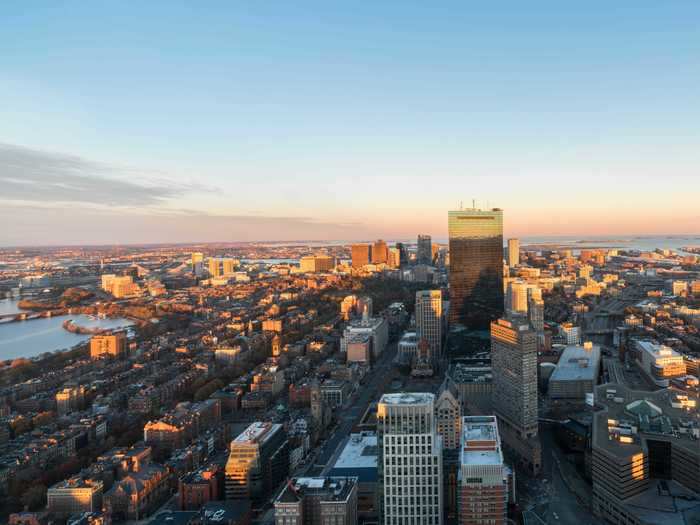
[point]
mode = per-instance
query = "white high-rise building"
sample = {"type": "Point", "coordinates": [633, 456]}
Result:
{"type": "Point", "coordinates": [410, 459]}
{"type": "Point", "coordinates": [519, 293]}
{"type": "Point", "coordinates": [429, 319]}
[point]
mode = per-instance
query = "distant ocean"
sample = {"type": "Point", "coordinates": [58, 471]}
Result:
{"type": "Point", "coordinates": [575, 242]}
{"type": "Point", "coordinates": [625, 242]}
{"type": "Point", "coordinates": [642, 243]}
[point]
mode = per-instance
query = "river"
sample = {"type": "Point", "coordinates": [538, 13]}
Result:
{"type": "Point", "coordinates": [36, 336]}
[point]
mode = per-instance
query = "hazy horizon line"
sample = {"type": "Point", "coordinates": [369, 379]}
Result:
{"type": "Point", "coordinates": [615, 237]}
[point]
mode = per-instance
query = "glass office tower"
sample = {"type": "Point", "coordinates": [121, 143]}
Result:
{"type": "Point", "coordinates": [476, 267]}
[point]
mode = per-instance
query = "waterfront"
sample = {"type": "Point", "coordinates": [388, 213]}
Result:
{"type": "Point", "coordinates": [9, 306]}
{"type": "Point", "coordinates": [34, 337]}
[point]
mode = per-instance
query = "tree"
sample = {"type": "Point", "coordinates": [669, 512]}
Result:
{"type": "Point", "coordinates": [34, 497]}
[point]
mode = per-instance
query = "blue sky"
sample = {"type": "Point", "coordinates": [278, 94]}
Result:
{"type": "Point", "coordinates": [147, 121]}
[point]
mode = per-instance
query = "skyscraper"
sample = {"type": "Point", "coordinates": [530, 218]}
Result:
{"type": "Point", "coordinates": [476, 267]}
{"type": "Point", "coordinates": [197, 257]}
{"type": "Point", "coordinates": [229, 265]}
{"type": "Point", "coordinates": [404, 253]}
{"type": "Point", "coordinates": [514, 364]}
{"type": "Point", "coordinates": [424, 252]}
{"type": "Point", "coordinates": [380, 252]}
{"type": "Point", "coordinates": [410, 459]}
{"type": "Point", "coordinates": [513, 252]}
{"type": "Point", "coordinates": [361, 255]}
{"type": "Point", "coordinates": [429, 319]}
{"type": "Point", "coordinates": [394, 258]}
{"type": "Point", "coordinates": [214, 267]}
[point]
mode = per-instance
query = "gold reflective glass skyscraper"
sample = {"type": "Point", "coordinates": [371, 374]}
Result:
{"type": "Point", "coordinates": [476, 267]}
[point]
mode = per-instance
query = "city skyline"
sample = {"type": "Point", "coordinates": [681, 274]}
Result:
{"type": "Point", "coordinates": [322, 122]}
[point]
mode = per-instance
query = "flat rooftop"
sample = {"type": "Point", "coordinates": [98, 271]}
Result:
{"type": "Point", "coordinates": [657, 350]}
{"type": "Point", "coordinates": [481, 444]}
{"type": "Point", "coordinates": [360, 451]}
{"type": "Point", "coordinates": [666, 414]}
{"type": "Point", "coordinates": [256, 433]}
{"type": "Point", "coordinates": [403, 398]}
{"type": "Point", "coordinates": [327, 489]}
{"type": "Point", "coordinates": [577, 363]}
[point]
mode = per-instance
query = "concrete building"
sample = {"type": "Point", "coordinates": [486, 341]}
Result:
{"type": "Point", "coordinates": [535, 314]}
{"type": "Point", "coordinates": [317, 501]}
{"type": "Point", "coordinates": [358, 459]}
{"type": "Point", "coordinates": [483, 478]}
{"type": "Point", "coordinates": [229, 265]}
{"type": "Point", "coordinates": [448, 415]}
{"type": "Point", "coordinates": [74, 496]}
{"type": "Point", "coordinates": [570, 333]}
{"type": "Point", "coordinates": [119, 285]}
{"type": "Point", "coordinates": [424, 250]}
{"type": "Point", "coordinates": [645, 456]}
{"type": "Point", "coordinates": [69, 399]}
{"type": "Point", "coordinates": [377, 328]}
{"type": "Point", "coordinates": [361, 255]}
{"type": "Point", "coordinates": [316, 263]}
{"type": "Point", "coordinates": [358, 348]}
{"type": "Point", "coordinates": [576, 373]}
{"type": "Point", "coordinates": [380, 252]}
{"type": "Point", "coordinates": [215, 267]}
{"type": "Point", "coordinates": [513, 252]}
{"type": "Point", "coordinates": [109, 345]}
{"type": "Point", "coordinates": [394, 258]}
{"type": "Point", "coordinates": [429, 319]}
{"type": "Point", "coordinates": [659, 363]}
{"type": "Point", "coordinates": [199, 487]}
{"type": "Point", "coordinates": [408, 348]}
{"type": "Point", "coordinates": [514, 361]}
{"type": "Point", "coordinates": [411, 460]}
{"type": "Point", "coordinates": [258, 462]}
{"type": "Point", "coordinates": [476, 267]}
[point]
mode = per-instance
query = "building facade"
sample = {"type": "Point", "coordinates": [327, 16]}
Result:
{"type": "Point", "coordinates": [484, 480]}
{"type": "Point", "coordinates": [258, 462]}
{"type": "Point", "coordinates": [429, 319]}
{"type": "Point", "coordinates": [476, 267]}
{"type": "Point", "coordinates": [513, 252]}
{"type": "Point", "coordinates": [424, 250]}
{"type": "Point", "coordinates": [361, 255]}
{"type": "Point", "coordinates": [317, 501]}
{"type": "Point", "coordinates": [514, 365]}
{"type": "Point", "coordinates": [410, 460]}
{"type": "Point", "coordinates": [109, 345]}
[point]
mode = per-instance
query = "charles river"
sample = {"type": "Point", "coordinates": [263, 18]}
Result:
{"type": "Point", "coordinates": [36, 336]}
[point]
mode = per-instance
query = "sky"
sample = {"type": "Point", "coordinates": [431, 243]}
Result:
{"type": "Point", "coordinates": [166, 121]}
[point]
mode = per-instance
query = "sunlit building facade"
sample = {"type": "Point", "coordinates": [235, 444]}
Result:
{"type": "Point", "coordinates": [361, 255]}
{"type": "Point", "coordinates": [476, 267]}
{"type": "Point", "coordinates": [513, 252]}
{"type": "Point", "coordinates": [380, 252]}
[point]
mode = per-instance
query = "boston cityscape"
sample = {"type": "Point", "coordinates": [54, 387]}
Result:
{"type": "Point", "coordinates": [388, 263]}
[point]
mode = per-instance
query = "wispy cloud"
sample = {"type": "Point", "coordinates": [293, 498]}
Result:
{"type": "Point", "coordinates": [59, 224]}
{"type": "Point", "coordinates": [30, 176]}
